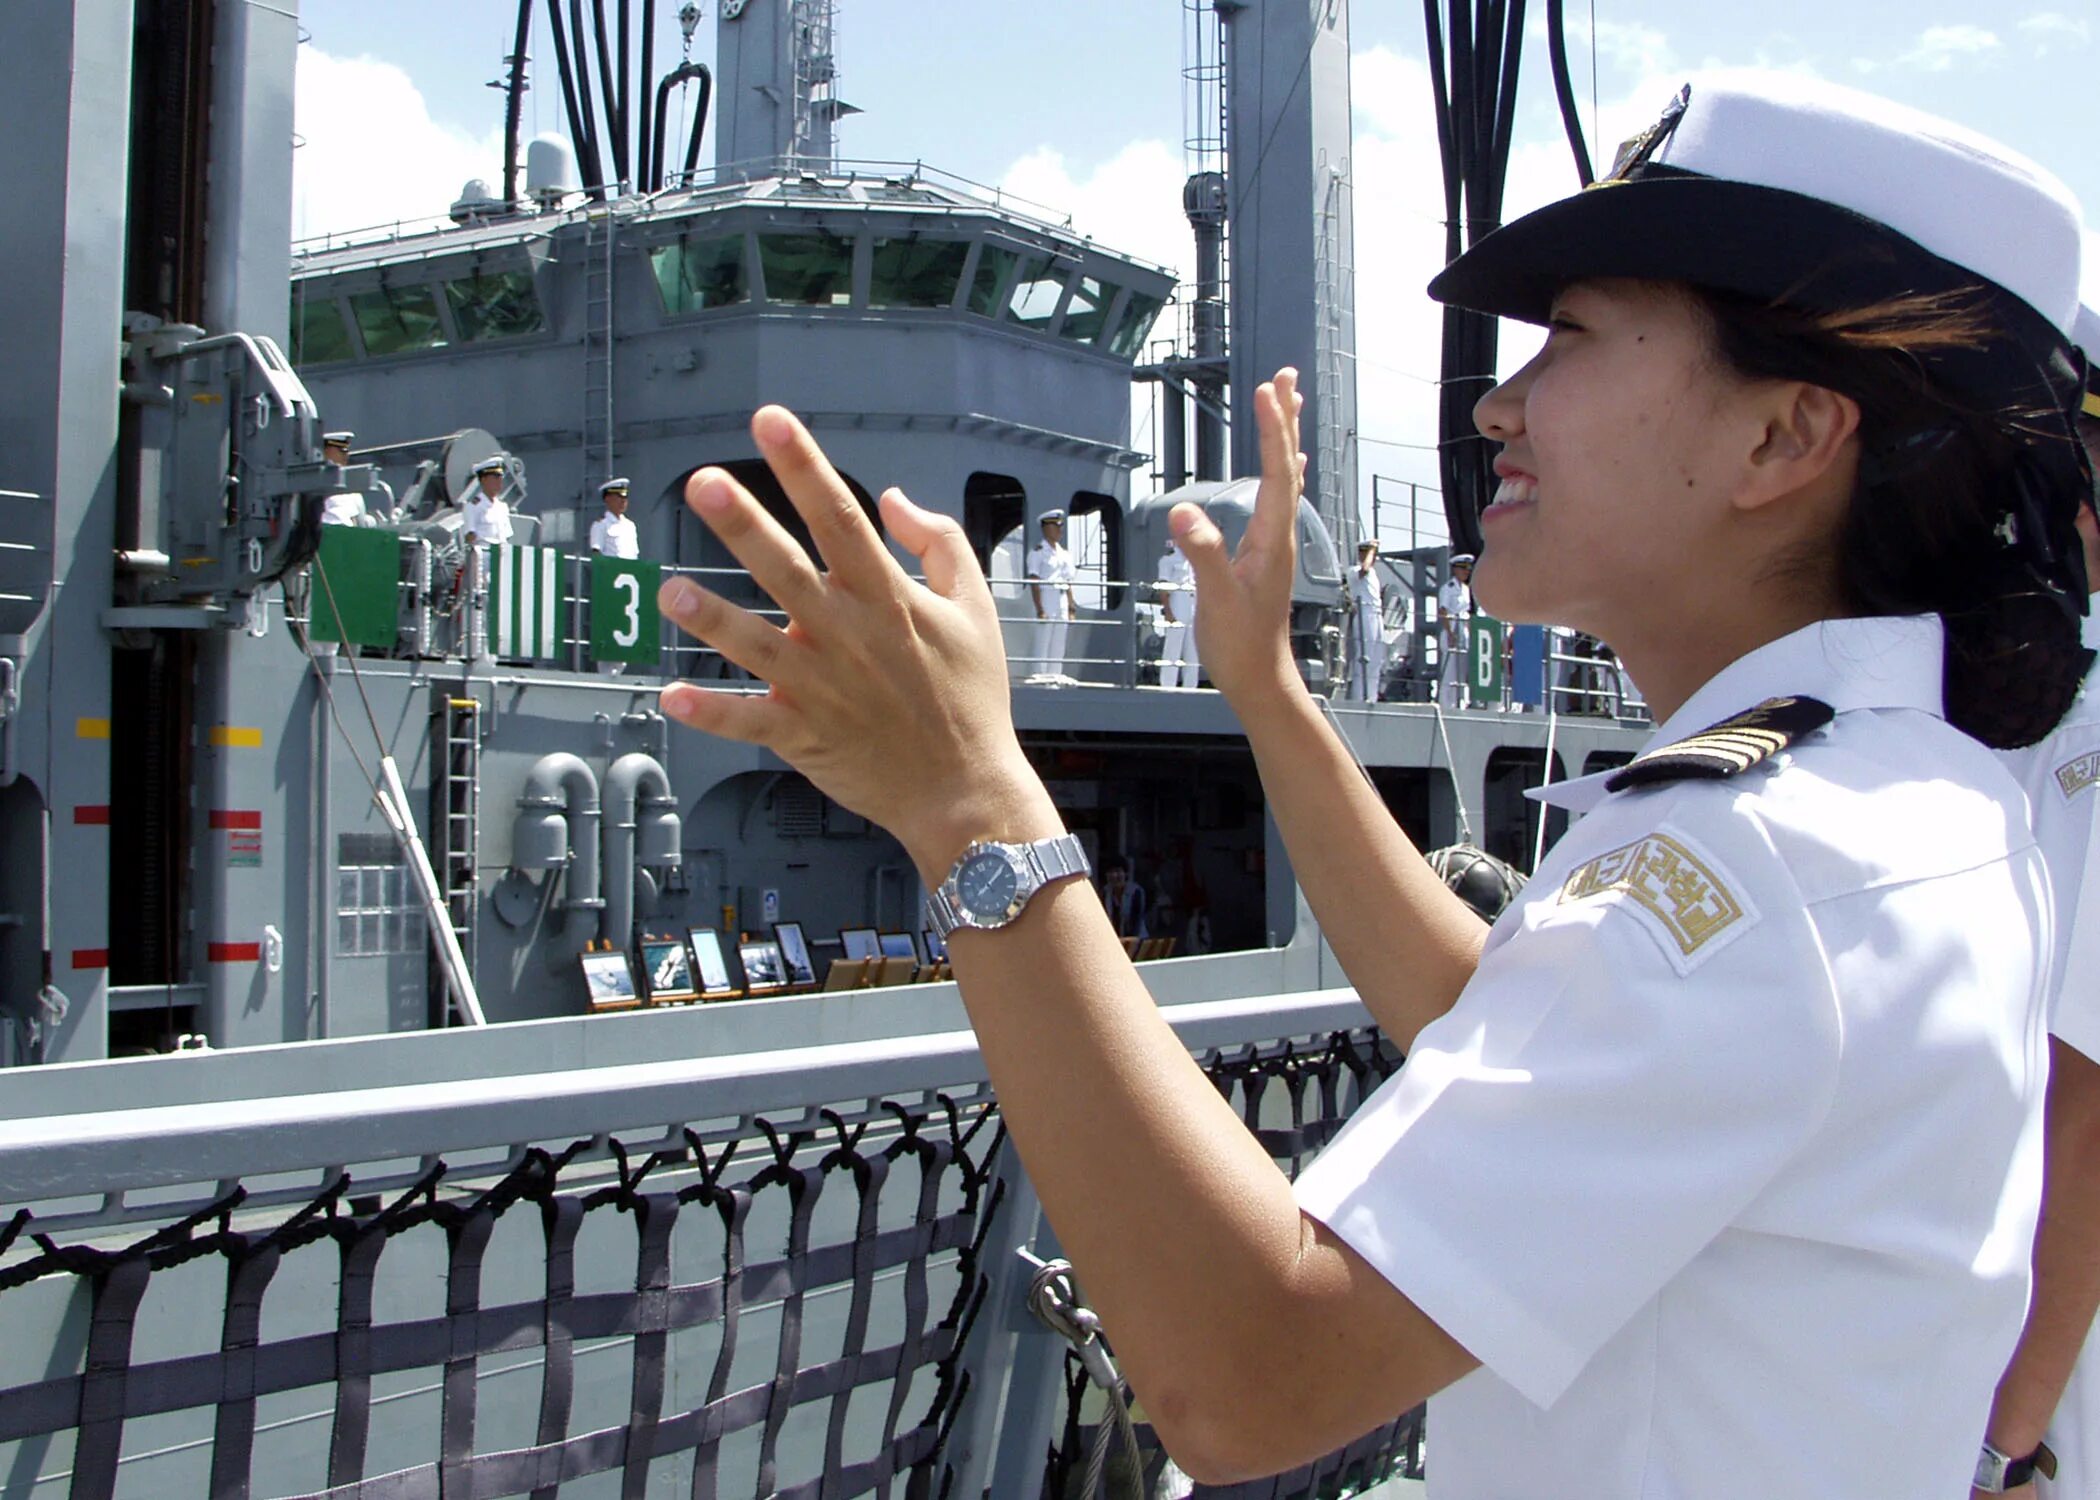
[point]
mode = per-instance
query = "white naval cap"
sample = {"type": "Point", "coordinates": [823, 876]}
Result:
{"type": "Point", "coordinates": [1050, 515]}
{"type": "Point", "coordinates": [340, 439]}
{"type": "Point", "coordinates": [1462, 560]}
{"type": "Point", "coordinates": [622, 483]}
{"type": "Point", "coordinates": [495, 463]}
{"type": "Point", "coordinates": [1781, 187]}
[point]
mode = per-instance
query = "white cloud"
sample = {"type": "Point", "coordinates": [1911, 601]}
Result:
{"type": "Point", "coordinates": [1628, 46]}
{"type": "Point", "coordinates": [2048, 25]}
{"type": "Point", "coordinates": [1938, 49]}
{"type": "Point", "coordinates": [370, 153]}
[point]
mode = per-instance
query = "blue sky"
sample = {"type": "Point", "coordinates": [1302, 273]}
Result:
{"type": "Point", "coordinates": [1078, 105]}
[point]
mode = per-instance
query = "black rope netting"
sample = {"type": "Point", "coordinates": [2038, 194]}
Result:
{"type": "Point", "coordinates": [956, 1150]}
{"type": "Point", "coordinates": [1294, 1098]}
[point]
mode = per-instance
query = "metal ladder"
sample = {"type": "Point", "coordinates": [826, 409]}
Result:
{"type": "Point", "coordinates": [1334, 297]}
{"type": "Point", "coordinates": [600, 238]}
{"type": "Point", "coordinates": [456, 824]}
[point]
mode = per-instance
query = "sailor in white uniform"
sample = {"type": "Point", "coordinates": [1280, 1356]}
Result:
{"type": "Point", "coordinates": [1454, 607]}
{"type": "Point", "coordinates": [1366, 625]}
{"type": "Point", "coordinates": [612, 534]}
{"type": "Point", "coordinates": [344, 507]}
{"type": "Point", "coordinates": [2051, 1391]}
{"type": "Point", "coordinates": [1050, 575]}
{"type": "Point", "coordinates": [1713, 1167]}
{"type": "Point", "coordinates": [487, 512]}
{"type": "Point", "coordinates": [1178, 662]}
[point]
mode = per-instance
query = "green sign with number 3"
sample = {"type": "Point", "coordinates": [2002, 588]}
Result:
{"type": "Point", "coordinates": [624, 623]}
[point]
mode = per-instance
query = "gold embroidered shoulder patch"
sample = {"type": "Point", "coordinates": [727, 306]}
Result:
{"type": "Point", "coordinates": [1683, 898]}
{"type": "Point", "coordinates": [2078, 773]}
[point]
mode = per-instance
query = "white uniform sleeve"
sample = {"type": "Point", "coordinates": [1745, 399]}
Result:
{"type": "Point", "coordinates": [2076, 1020]}
{"type": "Point", "coordinates": [1530, 1185]}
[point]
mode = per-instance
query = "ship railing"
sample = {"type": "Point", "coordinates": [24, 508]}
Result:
{"type": "Point", "coordinates": [793, 1273]}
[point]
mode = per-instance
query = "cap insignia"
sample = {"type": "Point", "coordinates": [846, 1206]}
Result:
{"type": "Point", "coordinates": [1728, 748]}
{"type": "Point", "coordinates": [1636, 151]}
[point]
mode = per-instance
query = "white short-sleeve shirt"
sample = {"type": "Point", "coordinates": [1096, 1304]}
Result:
{"type": "Point", "coordinates": [615, 536]}
{"type": "Point", "coordinates": [1454, 601]}
{"type": "Point", "coordinates": [488, 521]}
{"type": "Point", "coordinates": [1177, 585]}
{"type": "Point", "coordinates": [1050, 565]}
{"type": "Point", "coordinates": [343, 508]}
{"type": "Point", "coordinates": [2062, 778]}
{"type": "Point", "coordinates": [1726, 1163]}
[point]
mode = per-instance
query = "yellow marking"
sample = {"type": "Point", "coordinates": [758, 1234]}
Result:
{"type": "Point", "coordinates": [1665, 877]}
{"type": "Point", "coordinates": [91, 729]}
{"type": "Point", "coordinates": [2078, 773]}
{"type": "Point", "coordinates": [2092, 403]}
{"type": "Point", "coordinates": [233, 736]}
{"type": "Point", "coordinates": [207, 398]}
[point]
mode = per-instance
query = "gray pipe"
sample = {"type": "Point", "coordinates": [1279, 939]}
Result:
{"type": "Point", "coordinates": [565, 781]}
{"type": "Point", "coordinates": [631, 777]}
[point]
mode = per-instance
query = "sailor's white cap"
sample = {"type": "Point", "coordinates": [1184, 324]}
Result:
{"type": "Point", "coordinates": [340, 438]}
{"type": "Point", "coordinates": [1462, 560]}
{"type": "Point", "coordinates": [495, 463]}
{"type": "Point", "coordinates": [1787, 188]}
{"type": "Point", "coordinates": [1050, 515]}
{"type": "Point", "coordinates": [621, 484]}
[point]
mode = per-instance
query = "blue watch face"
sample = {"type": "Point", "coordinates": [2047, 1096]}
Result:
{"type": "Point", "coordinates": [986, 884]}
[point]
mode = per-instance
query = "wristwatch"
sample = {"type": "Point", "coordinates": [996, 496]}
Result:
{"type": "Point", "coordinates": [1996, 1473]}
{"type": "Point", "coordinates": [987, 887]}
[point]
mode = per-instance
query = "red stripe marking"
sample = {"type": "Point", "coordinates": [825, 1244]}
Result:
{"type": "Point", "coordinates": [235, 817]}
{"type": "Point", "coordinates": [89, 814]}
{"type": "Point", "coordinates": [90, 958]}
{"type": "Point", "coordinates": [234, 953]}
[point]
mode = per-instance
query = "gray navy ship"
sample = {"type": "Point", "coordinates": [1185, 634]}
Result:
{"type": "Point", "coordinates": [422, 1071]}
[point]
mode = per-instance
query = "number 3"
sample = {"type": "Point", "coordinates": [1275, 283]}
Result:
{"type": "Point", "coordinates": [628, 634]}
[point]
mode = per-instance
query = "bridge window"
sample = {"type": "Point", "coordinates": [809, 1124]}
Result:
{"type": "Point", "coordinates": [813, 269]}
{"type": "Point", "coordinates": [693, 275]}
{"type": "Point", "coordinates": [495, 305]}
{"type": "Point", "coordinates": [912, 272]}
{"type": "Point", "coordinates": [318, 332]}
{"type": "Point", "coordinates": [1088, 309]}
{"type": "Point", "coordinates": [396, 319]}
{"type": "Point", "coordinates": [993, 267]}
{"type": "Point", "coordinates": [1036, 293]}
{"type": "Point", "coordinates": [1138, 314]}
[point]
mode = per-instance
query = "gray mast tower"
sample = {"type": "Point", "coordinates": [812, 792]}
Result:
{"type": "Point", "coordinates": [779, 108]}
{"type": "Point", "coordinates": [1290, 226]}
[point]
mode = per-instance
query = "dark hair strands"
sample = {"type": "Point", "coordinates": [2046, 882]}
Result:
{"type": "Point", "coordinates": [1920, 535]}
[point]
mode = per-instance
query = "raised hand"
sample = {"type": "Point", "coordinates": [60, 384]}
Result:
{"type": "Point", "coordinates": [1244, 600]}
{"type": "Point", "coordinates": [888, 694]}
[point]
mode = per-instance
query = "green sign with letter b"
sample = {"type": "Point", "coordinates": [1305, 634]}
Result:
{"type": "Point", "coordinates": [625, 625]}
{"type": "Point", "coordinates": [1483, 660]}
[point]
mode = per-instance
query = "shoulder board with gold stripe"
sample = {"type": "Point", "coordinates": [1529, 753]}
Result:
{"type": "Point", "coordinates": [1728, 748]}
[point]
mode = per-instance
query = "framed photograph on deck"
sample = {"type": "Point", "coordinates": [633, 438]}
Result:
{"type": "Point", "coordinates": [794, 952]}
{"type": "Point", "coordinates": [900, 945]}
{"type": "Point", "coordinates": [667, 970]}
{"type": "Point", "coordinates": [608, 980]}
{"type": "Point", "coordinates": [860, 942]}
{"type": "Point", "coordinates": [764, 969]}
{"type": "Point", "coordinates": [710, 967]}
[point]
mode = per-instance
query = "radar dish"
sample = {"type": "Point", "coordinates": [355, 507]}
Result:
{"type": "Point", "coordinates": [463, 451]}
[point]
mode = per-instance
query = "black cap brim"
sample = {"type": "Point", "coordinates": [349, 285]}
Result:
{"type": "Point", "coordinates": [1732, 237]}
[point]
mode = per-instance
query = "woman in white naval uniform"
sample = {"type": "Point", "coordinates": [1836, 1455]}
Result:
{"type": "Point", "coordinates": [1712, 1169]}
{"type": "Point", "coordinates": [2052, 1388]}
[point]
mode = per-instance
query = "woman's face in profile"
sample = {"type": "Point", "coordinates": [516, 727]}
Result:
{"type": "Point", "coordinates": [1616, 465]}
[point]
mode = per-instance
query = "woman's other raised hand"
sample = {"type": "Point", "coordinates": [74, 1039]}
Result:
{"type": "Point", "coordinates": [1244, 598]}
